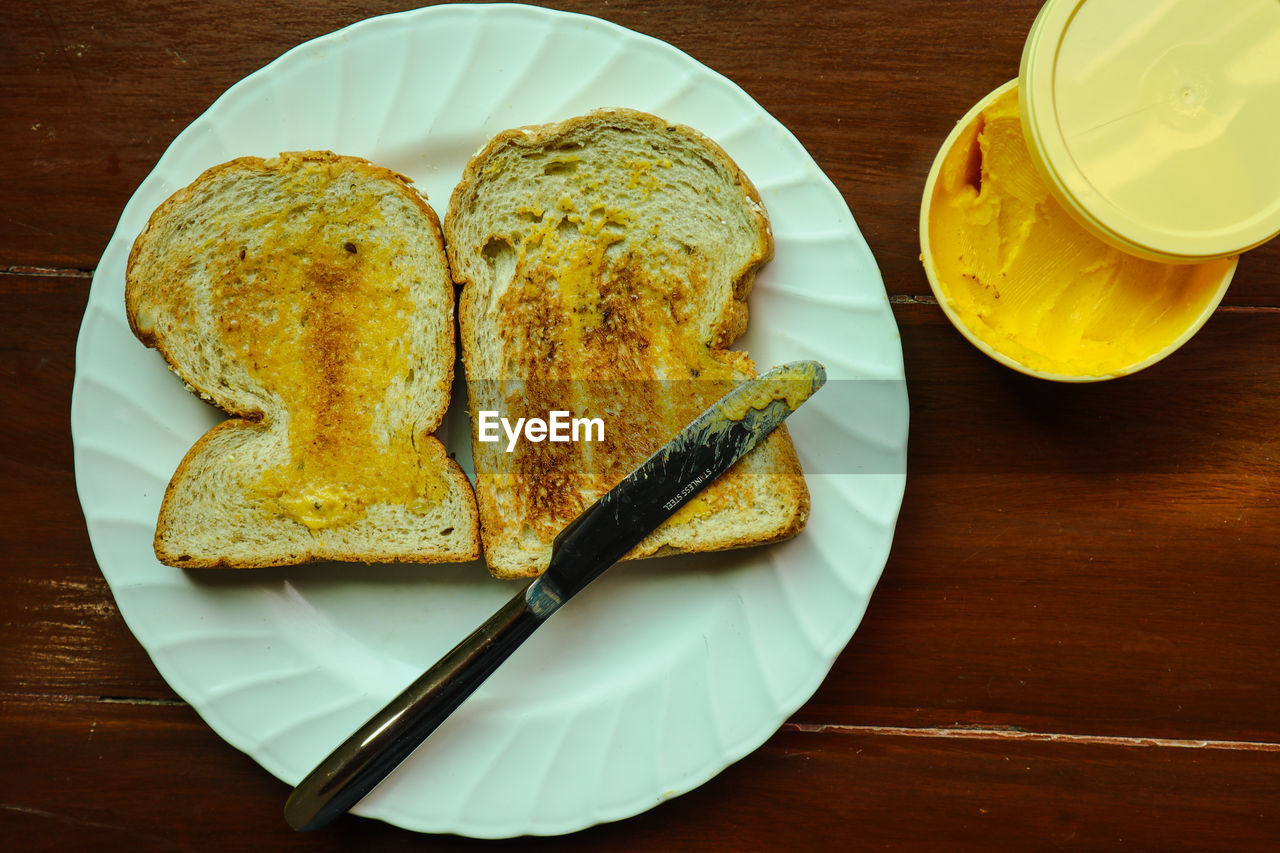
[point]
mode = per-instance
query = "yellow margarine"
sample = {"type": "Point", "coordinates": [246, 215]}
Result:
{"type": "Point", "coordinates": [326, 331]}
{"type": "Point", "coordinates": [793, 386]}
{"type": "Point", "coordinates": [695, 508]}
{"type": "Point", "coordinates": [1029, 281]}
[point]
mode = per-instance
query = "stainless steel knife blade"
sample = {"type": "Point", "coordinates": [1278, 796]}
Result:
{"type": "Point", "coordinates": [670, 478]}
{"type": "Point", "coordinates": [594, 541]}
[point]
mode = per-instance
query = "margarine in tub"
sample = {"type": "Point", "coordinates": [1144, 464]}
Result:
{"type": "Point", "coordinates": [1031, 286]}
{"type": "Point", "coordinates": [1078, 223]}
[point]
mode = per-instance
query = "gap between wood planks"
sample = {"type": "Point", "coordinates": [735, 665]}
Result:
{"type": "Point", "coordinates": [912, 299]}
{"type": "Point", "coordinates": [1015, 734]}
{"type": "Point", "coordinates": [994, 733]}
{"type": "Point", "coordinates": [894, 299]}
{"type": "Point", "coordinates": [53, 272]}
{"type": "Point", "coordinates": [140, 700]}
{"type": "Point", "coordinates": [68, 698]}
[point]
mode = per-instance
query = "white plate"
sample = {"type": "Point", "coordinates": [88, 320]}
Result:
{"type": "Point", "coordinates": [664, 672]}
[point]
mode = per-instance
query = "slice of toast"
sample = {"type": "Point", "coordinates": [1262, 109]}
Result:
{"type": "Point", "coordinates": [309, 297]}
{"type": "Point", "coordinates": [605, 263]}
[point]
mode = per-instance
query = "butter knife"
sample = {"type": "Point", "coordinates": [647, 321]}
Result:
{"type": "Point", "coordinates": [591, 543]}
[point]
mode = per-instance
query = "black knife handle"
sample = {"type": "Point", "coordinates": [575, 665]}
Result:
{"type": "Point", "coordinates": [364, 759]}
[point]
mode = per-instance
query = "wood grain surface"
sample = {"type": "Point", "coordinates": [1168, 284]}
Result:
{"type": "Point", "coordinates": [1076, 640]}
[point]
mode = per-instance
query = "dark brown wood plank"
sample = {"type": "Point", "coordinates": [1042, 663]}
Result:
{"type": "Point", "coordinates": [1088, 559]}
{"type": "Point", "coordinates": [152, 777]}
{"type": "Point", "coordinates": [97, 90]}
{"type": "Point", "coordinates": [59, 627]}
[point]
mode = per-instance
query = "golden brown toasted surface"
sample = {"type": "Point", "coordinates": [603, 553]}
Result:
{"type": "Point", "coordinates": [607, 260]}
{"type": "Point", "coordinates": [611, 339]}
{"type": "Point", "coordinates": [322, 335]}
{"type": "Point", "coordinates": [307, 295]}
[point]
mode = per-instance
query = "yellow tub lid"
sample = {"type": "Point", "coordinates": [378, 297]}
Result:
{"type": "Point", "coordinates": [1157, 122]}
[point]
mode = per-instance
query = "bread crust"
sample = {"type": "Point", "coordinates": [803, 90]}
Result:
{"type": "Point", "coordinates": [774, 460]}
{"type": "Point", "coordinates": [192, 308]}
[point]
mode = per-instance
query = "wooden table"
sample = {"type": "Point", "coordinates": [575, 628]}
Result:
{"type": "Point", "coordinates": [1075, 643]}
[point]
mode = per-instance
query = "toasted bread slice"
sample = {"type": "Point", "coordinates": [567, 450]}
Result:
{"type": "Point", "coordinates": [308, 296]}
{"type": "Point", "coordinates": [605, 263]}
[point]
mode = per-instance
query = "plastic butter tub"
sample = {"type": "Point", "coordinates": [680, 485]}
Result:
{"type": "Point", "coordinates": [1083, 221]}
